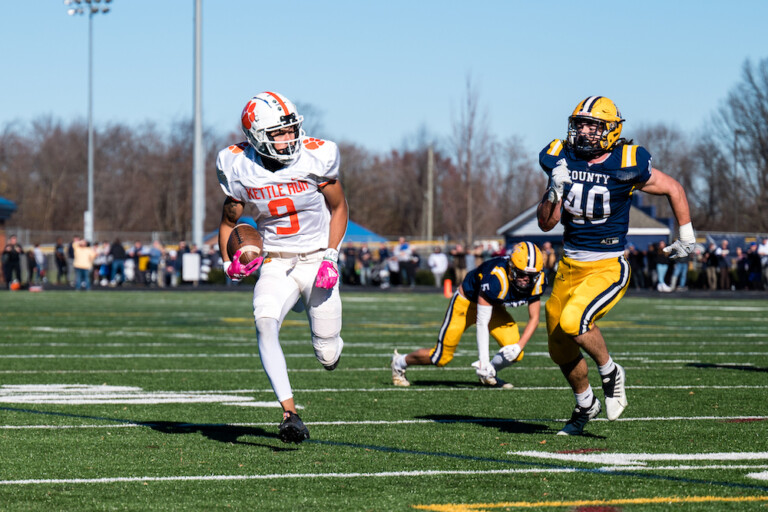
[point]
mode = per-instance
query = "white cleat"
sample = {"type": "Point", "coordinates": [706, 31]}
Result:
{"type": "Point", "coordinates": [495, 382]}
{"type": "Point", "coordinates": [615, 395]}
{"type": "Point", "coordinates": [398, 375]}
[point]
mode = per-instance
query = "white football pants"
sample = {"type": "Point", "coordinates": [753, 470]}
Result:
{"type": "Point", "coordinates": [286, 278]}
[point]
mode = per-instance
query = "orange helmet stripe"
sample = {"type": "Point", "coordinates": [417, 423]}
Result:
{"type": "Point", "coordinates": [280, 101]}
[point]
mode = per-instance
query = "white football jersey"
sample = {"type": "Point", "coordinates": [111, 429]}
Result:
{"type": "Point", "coordinates": [291, 212]}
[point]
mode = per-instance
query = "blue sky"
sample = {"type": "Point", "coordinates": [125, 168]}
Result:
{"type": "Point", "coordinates": [379, 72]}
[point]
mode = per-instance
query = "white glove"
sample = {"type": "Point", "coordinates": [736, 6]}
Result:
{"type": "Point", "coordinates": [560, 176]}
{"type": "Point", "coordinates": [506, 357]}
{"type": "Point", "coordinates": [510, 353]}
{"type": "Point", "coordinates": [684, 245]}
{"type": "Point", "coordinates": [485, 371]}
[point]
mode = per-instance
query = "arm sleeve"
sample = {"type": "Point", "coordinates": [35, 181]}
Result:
{"type": "Point", "coordinates": [483, 335]}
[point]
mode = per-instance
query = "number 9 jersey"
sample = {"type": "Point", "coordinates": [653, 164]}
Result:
{"type": "Point", "coordinates": [291, 213]}
{"type": "Point", "coordinates": [596, 204]}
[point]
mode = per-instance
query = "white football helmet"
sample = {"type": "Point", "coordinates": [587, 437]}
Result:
{"type": "Point", "coordinates": [265, 113]}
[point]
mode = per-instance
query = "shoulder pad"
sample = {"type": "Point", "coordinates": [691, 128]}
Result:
{"type": "Point", "coordinates": [551, 153]}
{"type": "Point", "coordinates": [224, 163]}
{"type": "Point", "coordinates": [628, 155]}
{"type": "Point", "coordinates": [555, 147]}
{"type": "Point", "coordinates": [238, 148]}
{"type": "Point", "coordinates": [327, 152]}
{"type": "Point", "coordinates": [501, 275]}
{"type": "Point", "coordinates": [636, 160]}
{"type": "Point", "coordinates": [312, 143]}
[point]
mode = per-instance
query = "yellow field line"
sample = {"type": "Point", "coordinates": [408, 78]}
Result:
{"type": "Point", "coordinates": [479, 507]}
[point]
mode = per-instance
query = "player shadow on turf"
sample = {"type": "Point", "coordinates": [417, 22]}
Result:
{"type": "Point", "coordinates": [215, 432]}
{"type": "Point", "coordinates": [504, 425]}
{"type": "Point", "coordinates": [447, 383]}
{"type": "Point", "coordinates": [740, 367]}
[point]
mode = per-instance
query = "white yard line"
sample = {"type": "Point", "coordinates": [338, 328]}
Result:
{"type": "Point", "coordinates": [383, 474]}
{"type": "Point", "coordinates": [277, 476]}
{"type": "Point", "coordinates": [256, 368]}
{"type": "Point", "coordinates": [386, 355]}
{"type": "Point", "coordinates": [713, 308]}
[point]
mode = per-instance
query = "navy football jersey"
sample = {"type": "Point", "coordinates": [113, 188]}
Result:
{"type": "Point", "coordinates": [596, 205]}
{"type": "Point", "coordinates": [490, 279]}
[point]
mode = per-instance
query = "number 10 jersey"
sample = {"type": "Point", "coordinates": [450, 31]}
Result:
{"type": "Point", "coordinates": [291, 212]}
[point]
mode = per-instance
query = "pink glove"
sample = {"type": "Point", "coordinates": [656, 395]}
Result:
{"type": "Point", "coordinates": [237, 271]}
{"type": "Point", "coordinates": [328, 274]}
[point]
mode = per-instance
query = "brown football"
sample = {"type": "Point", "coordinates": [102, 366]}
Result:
{"type": "Point", "coordinates": [246, 239]}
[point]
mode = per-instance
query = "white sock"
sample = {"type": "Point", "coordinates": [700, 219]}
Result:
{"type": "Point", "coordinates": [585, 399]}
{"type": "Point", "coordinates": [608, 367]}
{"type": "Point", "coordinates": [400, 363]}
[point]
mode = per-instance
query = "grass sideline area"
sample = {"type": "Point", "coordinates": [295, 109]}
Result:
{"type": "Point", "coordinates": [148, 400]}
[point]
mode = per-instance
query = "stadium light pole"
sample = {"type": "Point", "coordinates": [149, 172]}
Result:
{"type": "Point", "coordinates": [198, 155]}
{"type": "Point", "coordinates": [91, 8]}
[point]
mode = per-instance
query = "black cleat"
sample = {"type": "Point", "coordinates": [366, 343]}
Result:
{"type": "Point", "coordinates": [292, 429]}
{"type": "Point", "coordinates": [579, 418]}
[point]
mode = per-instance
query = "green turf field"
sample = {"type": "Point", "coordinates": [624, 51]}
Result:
{"type": "Point", "coordinates": [157, 401]}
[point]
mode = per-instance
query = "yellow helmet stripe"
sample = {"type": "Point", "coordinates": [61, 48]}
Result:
{"type": "Point", "coordinates": [501, 275]}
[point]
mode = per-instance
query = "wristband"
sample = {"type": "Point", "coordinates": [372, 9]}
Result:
{"type": "Point", "coordinates": [331, 255]}
{"type": "Point", "coordinates": [686, 233]}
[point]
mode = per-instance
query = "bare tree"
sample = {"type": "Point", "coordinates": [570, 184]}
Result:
{"type": "Point", "coordinates": [520, 182]}
{"type": "Point", "coordinates": [474, 149]}
{"type": "Point", "coordinates": [711, 208]}
{"type": "Point", "coordinates": [672, 154]}
{"type": "Point", "coordinates": [741, 126]}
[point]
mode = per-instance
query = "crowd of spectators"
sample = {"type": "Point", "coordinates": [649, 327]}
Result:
{"type": "Point", "coordinates": [714, 267]}
{"type": "Point", "coordinates": [83, 265]}
{"type": "Point", "coordinates": [402, 264]}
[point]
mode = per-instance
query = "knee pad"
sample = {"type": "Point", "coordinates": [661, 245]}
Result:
{"type": "Point", "coordinates": [267, 327]}
{"type": "Point", "coordinates": [328, 351]}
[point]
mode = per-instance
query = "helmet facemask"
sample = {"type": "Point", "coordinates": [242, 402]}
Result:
{"type": "Point", "coordinates": [592, 143]}
{"type": "Point", "coordinates": [603, 120]}
{"type": "Point", "coordinates": [524, 267]}
{"type": "Point", "coordinates": [265, 142]}
{"type": "Point", "coordinates": [522, 280]}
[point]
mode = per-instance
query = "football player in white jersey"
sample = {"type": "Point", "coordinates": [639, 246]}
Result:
{"type": "Point", "coordinates": [292, 184]}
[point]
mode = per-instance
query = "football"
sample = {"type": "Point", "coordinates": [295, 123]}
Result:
{"type": "Point", "coordinates": [245, 238]}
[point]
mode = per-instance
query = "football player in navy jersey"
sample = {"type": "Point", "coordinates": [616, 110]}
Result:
{"type": "Point", "coordinates": [483, 298]}
{"type": "Point", "coordinates": [592, 176]}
